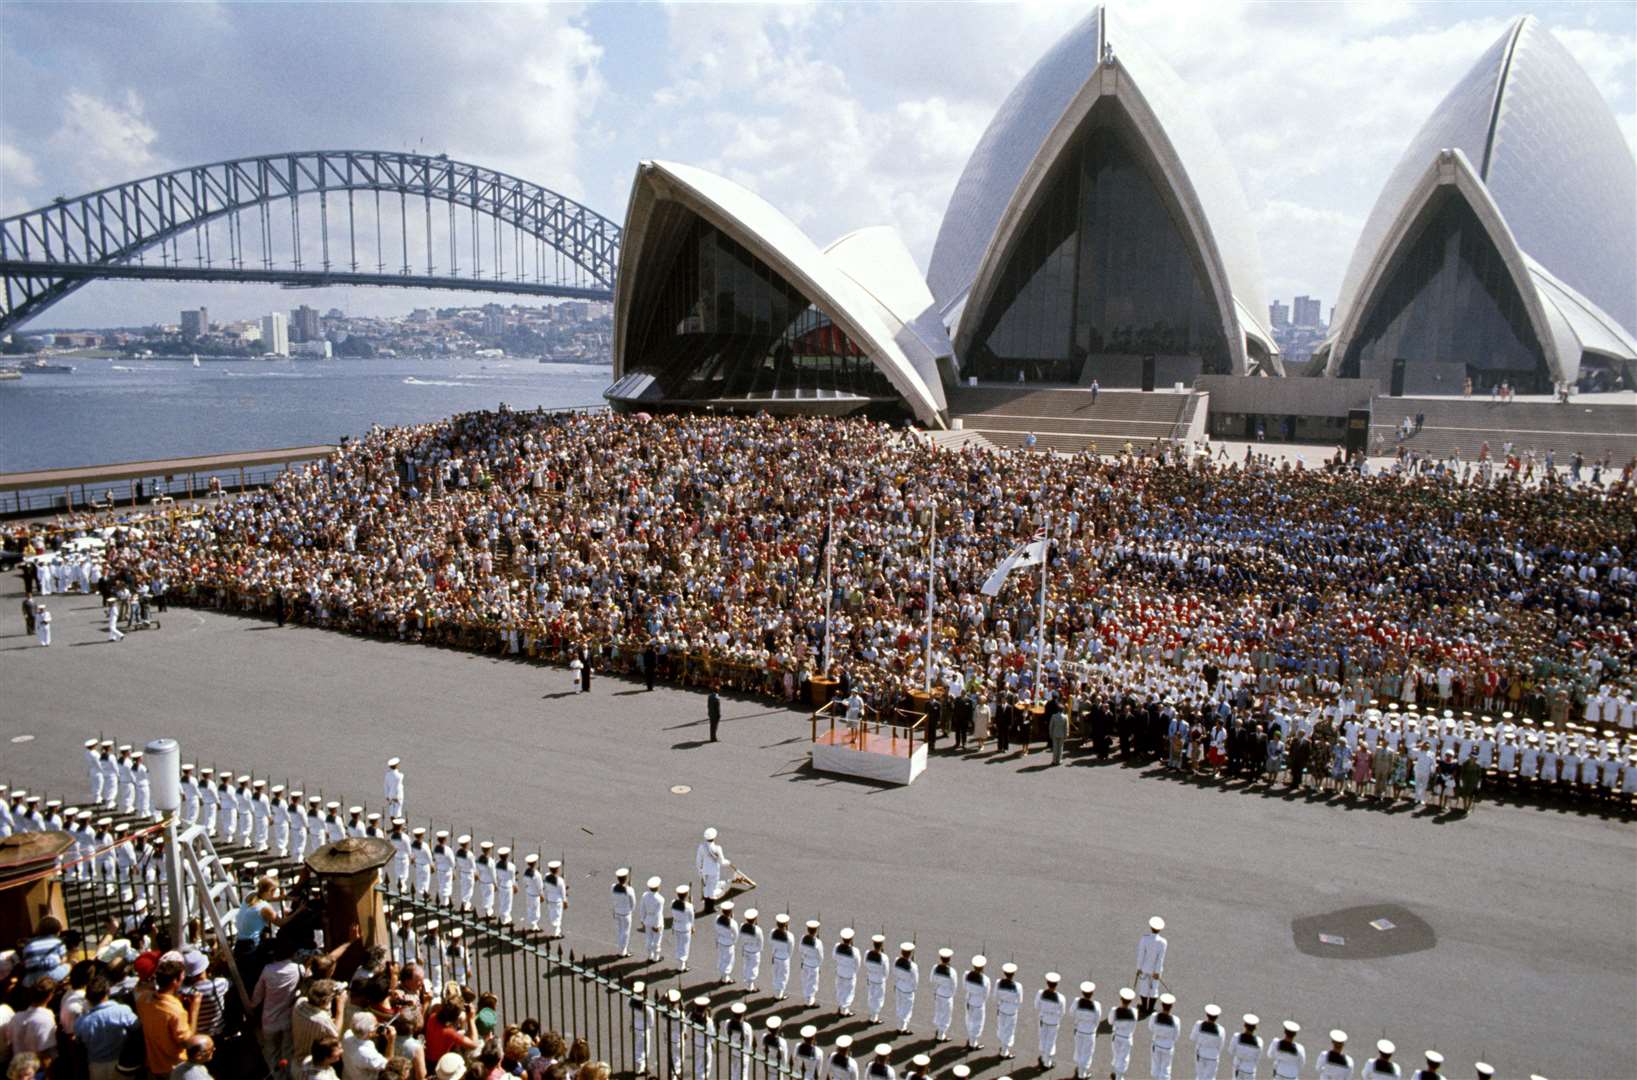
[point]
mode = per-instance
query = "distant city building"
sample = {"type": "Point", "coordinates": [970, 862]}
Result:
{"type": "Point", "coordinates": [1307, 311]}
{"type": "Point", "coordinates": [335, 313]}
{"type": "Point", "coordinates": [1279, 314]}
{"type": "Point", "coordinates": [195, 324]}
{"type": "Point", "coordinates": [304, 324]}
{"type": "Point", "coordinates": [317, 348]}
{"type": "Point", "coordinates": [275, 335]}
{"type": "Point", "coordinates": [494, 320]}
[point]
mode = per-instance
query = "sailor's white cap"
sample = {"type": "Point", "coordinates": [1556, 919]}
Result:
{"type": "Point", "coordinates": [1156, 924]}
{"type": "Point", "coordinates": [1251, 1019]}
{"type": "Point", "coordinates": [774, 1023]}
{"type": "Point", "coordinates": [457, 932]}
{"type": "Point", "coordinates": [1338, 1035]}
{"type": "Point", "coordinates": [725, 907]}
{"type": "Point", "coordinates": [1434, 1058]}
{"type": "Point", "coordinates": [812, 924]}
{"type": "Point", "coordinates": [846, 933]}
{"type": "Point", "coordinates": [781, 919]}
{"type": "Point", "coordinates": [882, 1050]}
{"type": "Point", "coordinates": [1484, 1069]}
{"type": "Point", "coordinates": [1292, 1027]}
{"type": "Point", "coordinates": [137, 753]}
{"type": "Point", "coordinates": [979, 960]}
{"type": "Point", "coordinates": [355, 809]}
{"type": "Point", "coordinates": [946, 954]}
{"type": "Point", "coordinates": [808, 1031]}
{"type": "Point", "coordinates": [442, 834]}
{"type": "Point", "coordinates": [682, 890]}
{"type": "Point", "coordinates": [702, 1001]}
{"type": "Point", "coordinates": [419, 830]}
{"type": "Point", "coordinates": [392, 763]}
{"type": "Point", "coordinates": [463, 838]}
{"type": "Point", "coordinates": [673, 995]}
{"type": "Point", "coordinates": [407, 917]}
{"type": "Point", "coordinates": [1053, 977]}
{"type": "Point", "coordinates": [623, 872]}
{"type": "Point", "coordinates": [878, 939]}
{"type": "Point", "coordinates": [843, 1042]}
{"type": "Point", "coordinates": [277, 789]}
{"type": "Point", "coordinates": [1213, 1011]}
{"type": "Point", "coordinates": [398, 822]}
{"type": "Point", "coordinates": [638, 987]}
{"type": "Point", "coordinates": [921, 1061]}
{"type": "Point", "coordinates": [106, 743]}
{"type": "Point", "coordinates": [961, 1072]}
{"type": "Point", "coordinates": [372, 817]}
{"type": "Point", "coordinates": [750, 915]}
{"type": "Point", "coordinates": [1127, 994]}
{"type": "Point", "coordinates": [1168, 999]}
{"type": "Point", "coordinates": [710, 834]}
{"type": "Point", "coordinates": [654, 882]}
{"type": "Point", "coordinates": [89, 743]}
{"type": "Point", "coordinates": [1008, 968]}
{"type": "Point", "coordinates": [487, 845]}
{"type": "Point", "coordinates": [332, 805]}
{"type": "Point", "coordinates": [432, 924]}
{"type": "Point", "coordinates": [737, 1008]}
{"type": "Point", "coordinates": [554, 865]}
{"type": "Point", "coordinates": [1088, 987]}
{"type": "Point", "coordinates": [125, 748]}
{"type": "Point", "coordinates": [83, 815]}
{"type": "Point", "coordinates": [531, 859]}
{"type": "Point", "coordinates": [906, 946]}
{"type": "Point", "coordinates": [104, 822]}
{"type": "Point", "coordinates": [1385, 1047]}
{"type": "Point", "coordinates": [53, 804]}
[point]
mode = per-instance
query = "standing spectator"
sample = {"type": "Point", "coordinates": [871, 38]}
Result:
{"type": "Point", "coordinates": [713, 711]}
{"type": "Point", "coordinates": [275, 997]}
{"type": "Point", "coordinates": [102, 1030]}
{"type": "Point", "coordinates": [361, 1059]}
{"type": "Point", "coordinates": [167, 1023]}
{"type": "Point", "coordinates": [323, 1061]}
{"type": "Point", "coordinates": [211, 991]}
{"type": "Point", "coordinates": [201, 1048]}
{"type": "Point", "coordinates": [34, 1030]}
{"type": "Point", "coordinates": [23, 1067]}
{"type": "Point", "coordinates": [315, 1015]}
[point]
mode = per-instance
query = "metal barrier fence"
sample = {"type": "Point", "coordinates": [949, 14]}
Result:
{"type": "Point", "coordinates": [125, 494]}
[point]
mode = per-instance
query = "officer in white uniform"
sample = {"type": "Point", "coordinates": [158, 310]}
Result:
{"type": "Point", "coordinates": [774, 1047]}
{"type": "Point", "coordinates": [1123, 1020]}
{"type": "Point", "coordinates": [622, 900]}
{"type": "Point", "coordinates": [144, 788]}
{"type": "Point", "coordinates": [261, 814]}
{"type": "Point", "coordinates": [751, 942]}
{"type": "Point", "coordinates": [392, 787]}
{"type": "Point", "coordinates": [846, 962]}
{"type": "Point", "coordinates": [298, 824]}
{"type": "Point", "coordinates": [248, 823]}
{"type": "Point", "coordinates": [651, 915]}
{"type": "Point", "coordinates": [880, 1067]}
{"type": "Point", "coordinates": [976, 985]}
{"type": "Point", "coordinates": [875, 978]}
{"type": "Point", "coordinates": [807, 1054]}
{"type": "Point", "coordinates": [1163, 1032]}
{"type": "Point", "coordinates": [483, 870]}
{"type": "Point", "coordinates": [400, 855]}
{"type": "Point", "coordinates": [906, 979]}
{"type": "Point", "coordinates": [93, 767]}
{"type": "Point", "coordinates": [465, 871]}
{"type": "Point", "coordinates": [556, 892]}
{"type": "Point", "coordinates": [279, 808]}
{"type": "Point", "coordinates": [841, 1065]}
{"type": "Point", "coordinates": [1087, 1015]}
{"type": "Point", "coordinates": [534, 891]}
{"type": "Point", "coordinates": [1208, 1038]}
{"type": "Point", "coordinates": [506, 883]}
{"type": "Point", "coordinates": [642, 1026]}
{"type": "Point", "coordinates": [443, 865]}
{"type": "Point", "coordinates": [810, 950]}
{"type": "Point", "coordinates": [781, 945]}
{"type": "Point", "coordinates": [1336, 1063]}
{"type": "Point", "coordinates": [682, 926]}
{"type": "Point", "coordinates": [1246, 1049]}
{"type": "Point", "coordinates": [1288, 1055]}
{"type": "Point", "coordinates": [1150, 964]}
{"type": "Point", "coordinates": [210, 800]}
{"type": "Point", "coordinates": [942, 980]}
{"type": "Point", "coordinates": [708, 859]}
{"type": "Point", "coordinates": [127, 783]}
{"type": "Point", "coordinates": [1049, 1007]}
{"type": "Point", "coordinates": [725, 931]}
{"type": "Point", "coordinates": [110, 773]}
{"type": "Point", "coordinates": [1382, 1066]}
{"type": "Point", "coordinates": [1008, 1003]}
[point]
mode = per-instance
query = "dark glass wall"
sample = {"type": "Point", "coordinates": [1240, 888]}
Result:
{"type": "Point", "coordinates": [1449, 305]}
{"type": "Point", "coordinates": [724, 325]}
{"type": "Point", "coordinates": [1102, 270]}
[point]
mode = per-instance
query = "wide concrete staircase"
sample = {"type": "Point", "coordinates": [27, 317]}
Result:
{"type": "Point", "coordinates": [1065, 418]}
{"type": "Point", "coordinates": [1463, 425]}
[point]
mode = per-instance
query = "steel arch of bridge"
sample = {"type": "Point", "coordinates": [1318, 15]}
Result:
{"type": "Point", "coordinates": [47, 253]}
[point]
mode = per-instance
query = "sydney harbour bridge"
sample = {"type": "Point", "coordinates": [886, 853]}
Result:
{"type": "Point", "coordinates": [313, 218]}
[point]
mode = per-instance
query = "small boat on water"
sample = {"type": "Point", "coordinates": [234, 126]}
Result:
{"type": "Point", "coordinates": [195, 359]}
{"type": "Point", "coordinates": [38, 366]}
{"type": "Point", "coordinates": [10, 375]}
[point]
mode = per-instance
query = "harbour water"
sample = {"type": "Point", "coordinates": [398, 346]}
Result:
{"type": "Point", "coordinates": [131, 410]}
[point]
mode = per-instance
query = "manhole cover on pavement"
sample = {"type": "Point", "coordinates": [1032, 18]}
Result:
{"type": "Point", "coordinates": [1339, 935]}
{"type": "Point", "coordinates": [22, 738]}
{"type": "Point", "coordinates": [676, 789]}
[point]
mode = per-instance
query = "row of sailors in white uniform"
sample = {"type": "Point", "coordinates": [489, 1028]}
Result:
{"type": "Point", "coordinates": [1209, 1042]}
{"type": "Point", "coordinates": [68, 573]}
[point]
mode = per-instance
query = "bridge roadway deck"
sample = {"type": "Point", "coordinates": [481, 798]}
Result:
{"type": "Point", "coordinates": [1526, 961]}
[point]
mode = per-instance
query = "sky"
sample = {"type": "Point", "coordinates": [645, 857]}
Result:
{"type": "Point", "coordinates": [842, 115]}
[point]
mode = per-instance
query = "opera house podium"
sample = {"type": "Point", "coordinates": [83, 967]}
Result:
{"type": "Point", "coordinates": [876, 747]}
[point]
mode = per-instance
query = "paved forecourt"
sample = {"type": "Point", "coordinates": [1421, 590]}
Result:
{"type": "Point", "coordinates": [1512, 933]}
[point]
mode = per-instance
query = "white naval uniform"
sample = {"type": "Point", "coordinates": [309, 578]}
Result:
{"type": "Point", "coordinates": [1048, 1008]}
{"type": "Point", "coordinates": [315, 831]}
{"type": "Point", "coordinates": [210, 803]}
{"type": "Point", "coordinates": [1163, 1030]}
{"type": "Point", "coordinates": [281, 828]}
{"type": "Point", "coordinates": [556, 900]}
{"type": "Point", "coordinates": [875, 984]}
{"type": "Point", "coordinates": [780, 945]}
{"type": "Point", "coordinates": [845, 958]}
{"type": "Point", "coordinates": [682, 931]}
{"type": "Point", "coordinates": [144, 789]}
{"type": "Point", "coordinates": [261, 810]}
{"type": "Point", "coordinates": [443, 863]}
{"type": "Point", "coordinates": [1246, 1053]}
{"type": "Point", "coordinates": [726, 931]}
{"type": "Point", "coordinates": [942, 980]}
{"type": "Point", "coordinates": [127, 786]}
{"type": "Point", "coordinates": [741, 1039]}
{"type": "Point", "coordinates": [751, 942]}
{"type": "Point", "coordinates": [906, 979]}
{"type": "Point", "coordinates": [877, 1071]}
{"type": "Point", "coordinates": [708, 859]}
{"type": "Point", "coordinates": [976, 985]}
{"type": "Point", "coordinates": [651, 914]}
{"type": "Point", "coordinates": [403, 945]}
{"type": "Point", "coordinates": [841, 1067]}
{"type": "Point", "coordinates": [624, 902]}
{"type": "Point", "coordinates": [298, 832]}
{"type": "Point", "coordinates": [1335, 1065]}
{"type": "Point", "coordinates": [247, 816]}
{"type": "Point", "coordinates": [110, 779]}
{"type": "Point", "coordinates": [506, 889]}
{"type": "Point", "coordinates": [93, 766]}
{"type": "Point", "coordinates": [533, 884]}
{"type": "Point", "coordinates": [1377, 1069]}
{"type": "Point", "coordinates": [393, 790]}
{"type": "Point", "coordinates": [1008, 1002]}
{"type": "Point", "coordinates": [465, 876]}
{"type": "Point", "coordinates": [642, 1026]}
{"type": "Point", "coordinates": [1150, 963]}
{"type": "Point", "coordinates": [400, 859]}
{"type": "Point", "coordinates": [1207, 1038]}
{"type": "Point", "coordinates": [1124, 1022]}
{"type": "Point", "coordinates": [1288, 1057]}
{"type": "Point", "coordinates": [484, 870]}
{"type": "Point", "coordinates": [807, 1060]}
{"type": "Point", "coordinates": [776, 1050]}
{"type": "Point", "coordinates": [704, 1041]}
{"type": "Point", "coordinates": [811, 952]}
{"type": "Point", "coordinates": [420, 857]}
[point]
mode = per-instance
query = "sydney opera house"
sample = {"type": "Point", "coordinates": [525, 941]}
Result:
{"type": "Point", "coordinates": [1099, 232]}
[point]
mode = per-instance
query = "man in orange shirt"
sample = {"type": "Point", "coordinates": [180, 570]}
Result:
{"type": "Point", "coordinates": [167, 1023]}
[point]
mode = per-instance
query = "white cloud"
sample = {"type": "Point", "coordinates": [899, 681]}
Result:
{"type": "Point", "coordinates": [104, 141]}
{"type": "Point", "coordinates": [18, 175]}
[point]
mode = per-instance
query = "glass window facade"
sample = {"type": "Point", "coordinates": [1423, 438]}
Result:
{"type": "Point", "coordinates": [1449, 303]}
{"type": "Point", "coordinates": [1101, 272]}
{"type": "Point", "coordinates": [724, 325]}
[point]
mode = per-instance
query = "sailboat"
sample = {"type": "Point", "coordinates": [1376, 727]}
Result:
{"type": "Point", "coordinates": [195, 359]}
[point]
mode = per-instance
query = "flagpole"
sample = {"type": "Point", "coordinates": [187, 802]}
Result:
{"type": "Point", "coordinates": [931, 587]}
{"type": "Point", "coordinates": [829, 541]}
{"type": "Point", "coordinates": [1040, 624]}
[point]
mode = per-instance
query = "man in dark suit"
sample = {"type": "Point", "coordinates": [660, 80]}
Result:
{"type": "Point", "coordinates": [713, 711]}
{"type": "Point", "coordinates": [650, 664]}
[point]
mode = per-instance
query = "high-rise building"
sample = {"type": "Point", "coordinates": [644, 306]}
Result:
{"type": "Point", "coordinates": [275, 335]}
{"type": "Point", "coordinates": [494, 320]}
{"type": "Point", "coordinates": [194, 324]}
{"type": "Point", "coordinates": [1279, 314]}
{"type": "Point", "coordinates": [304, 324]}
{"type": "Point", "coordinates": [1308, 311]}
